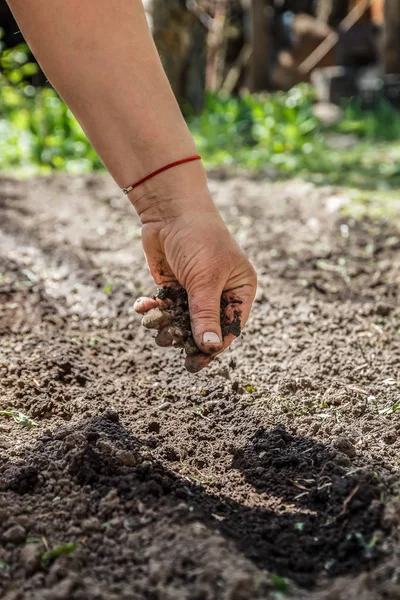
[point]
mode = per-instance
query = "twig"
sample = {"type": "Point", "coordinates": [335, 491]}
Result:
{"type": "Point", "coordinates": [348, 500]}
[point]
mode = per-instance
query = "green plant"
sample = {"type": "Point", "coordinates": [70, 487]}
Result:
{"type": "Point", "coordinates": [281, 584]}
{"type": "Point", "coordinates": [250, 389]}
{"type": "Point", "coordinates": [19, 418]}
{"type": "Point", "coordinates": [276, 131]}
{"type": "Point", "coordinates": [50, 555]}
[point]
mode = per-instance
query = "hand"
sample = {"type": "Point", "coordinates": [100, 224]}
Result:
{"type": "Point", "coordinates": [195, 250]}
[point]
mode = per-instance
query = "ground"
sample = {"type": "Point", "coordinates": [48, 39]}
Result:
{"type": "Point", "coordinates": [272, 474]}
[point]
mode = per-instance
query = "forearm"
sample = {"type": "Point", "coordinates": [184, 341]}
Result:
{"type": "Point", "coordinates": [100, 57]}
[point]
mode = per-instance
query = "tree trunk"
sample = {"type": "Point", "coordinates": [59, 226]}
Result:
{"type": "Point", "coordinates": [391, 48]}
{"type": "Point", "coordinates": [181, 39]}
{"type": "Point", "coordinates": [262, 55]}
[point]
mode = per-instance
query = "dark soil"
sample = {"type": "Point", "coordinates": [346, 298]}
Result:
{"type": "Point", "coordinates": [272, 474]}
{"type": "Point", "coordinates": [179, 318]}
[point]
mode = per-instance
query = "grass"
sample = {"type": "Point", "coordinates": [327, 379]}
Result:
{"type": "Point", "coordinates": [38, 133]}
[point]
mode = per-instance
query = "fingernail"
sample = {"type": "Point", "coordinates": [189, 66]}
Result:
{"type": "Point", "coordinates": [210, 337]}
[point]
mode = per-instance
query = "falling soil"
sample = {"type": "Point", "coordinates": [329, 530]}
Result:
{"type": "Point", "coordinates": [274, 473]}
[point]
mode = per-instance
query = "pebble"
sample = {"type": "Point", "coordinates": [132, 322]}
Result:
{"type": "Point", "coordinates": [126, 458]}
{"type": "Point", "coordinates": [90, 524]}
{"type": "Point", "coordinates": [30, 557]}
{"type": "Point", "coordinates": [343, 444]}
{"type": "Point", "coordinates": [14, 535]}
{"type": "Point", "coordinates": [62, 590]}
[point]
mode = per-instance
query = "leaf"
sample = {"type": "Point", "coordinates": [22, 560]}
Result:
{"type": "Point", "coordinates": [50, 556]}
{"type": "Point", "coordinates": [280, 584]}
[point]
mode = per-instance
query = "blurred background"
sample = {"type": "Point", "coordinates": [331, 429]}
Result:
{"type": "Point", "coordinates": [283, 87]}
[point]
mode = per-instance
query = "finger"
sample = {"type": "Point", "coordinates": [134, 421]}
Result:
{"type": "Point", "coordinates": [164, 338]}
{"type": "Point", "coordinates": [144, 304]}
{"type": "Point", "coordinates": [156, 319]}
{"type": "Point", "coordinates": [205, 311]}
{"type": "Point", "coordinates": [236, 312]}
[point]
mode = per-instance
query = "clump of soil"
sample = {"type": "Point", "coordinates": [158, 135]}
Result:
{"type": "Point", "coordinates": [179, 322]}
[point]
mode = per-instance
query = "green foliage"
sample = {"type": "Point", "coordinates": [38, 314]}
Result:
{"type": "Point", "coordinates": [15, 66]}
{"type": "Point", "coordinates": [36, 127]}
{"type": "Point", "coordinates": [383, 123]}
{"type": "Point", "coordinates": [254, 131]}
{"type": "Point", "coordinates": [277, 131]}
{"type": "Point", "coordinates": [281, 131]}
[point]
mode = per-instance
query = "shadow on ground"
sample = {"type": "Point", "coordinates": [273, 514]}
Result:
{"type": "Point", "coordinates": [325, 525]}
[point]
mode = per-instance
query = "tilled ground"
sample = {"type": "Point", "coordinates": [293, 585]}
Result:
{"type": "Point", "coordinates": [280, 462]}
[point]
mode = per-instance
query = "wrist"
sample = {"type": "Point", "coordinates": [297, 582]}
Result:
{"type": "Point", "coordinates": [172, 193]}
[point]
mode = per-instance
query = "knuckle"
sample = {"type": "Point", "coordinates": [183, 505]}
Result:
{"type": "Point", "coordinates": [205, 313]}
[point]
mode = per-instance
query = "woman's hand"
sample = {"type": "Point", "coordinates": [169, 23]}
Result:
{"type": "Point", "coordinates": [194, 249]}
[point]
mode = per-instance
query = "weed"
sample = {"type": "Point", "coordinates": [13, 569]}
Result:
{"type": "Point", "coordinates": [50, 555]}
{"type": "Point", "coordinates": [281, 584]}
{"type": "Point", "coordinates": [3, 565]}
{"type": "Point", "coordinates": [250, 389]}
{"type": "Point", "coordinates": [390, 409]}
{"type": "Point", "coordinates": [19, 418]}
{"type": "Point", "coordinates": [369, 547]}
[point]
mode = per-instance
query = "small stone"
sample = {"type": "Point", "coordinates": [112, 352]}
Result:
{"type": "Point", "coordinates": [90, 524]}
{"type": "Point", "coordinates": [390, 437]}
{"type": "Point", "coordinates": [104, 446]}
{"type": "Point", "coordinates": [30, 557]}
{"type": "Point", "coordinates": [342, 459]}
{"type": "Point", "coordinates": [63, 590]}
{"type": "Point", "coordinates": [14, 535]}
{"type": "Point", "coordinates": [126, 458]}
{"type": "Point", "coordinates": [343, 444]}
{"type": "Point", "coordinates": [165, 405]}
{"type": "Point", "coordinates": [74, 440]}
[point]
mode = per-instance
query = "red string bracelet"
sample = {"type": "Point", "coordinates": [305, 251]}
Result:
{"type": "Point", "coordinates": [128, 189]}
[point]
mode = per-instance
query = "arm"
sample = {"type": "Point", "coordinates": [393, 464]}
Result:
{"type": "Point", "coordinates": [101, 58]}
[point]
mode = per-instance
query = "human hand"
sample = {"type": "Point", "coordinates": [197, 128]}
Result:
{"type": "Point", "coordinates": [194, 249]}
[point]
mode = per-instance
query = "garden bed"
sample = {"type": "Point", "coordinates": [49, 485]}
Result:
{"type": "Point", "coordinates": [272, 474]}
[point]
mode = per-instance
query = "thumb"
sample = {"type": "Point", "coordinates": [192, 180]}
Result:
{"type": "Point", "coordinates": [205, 315]}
